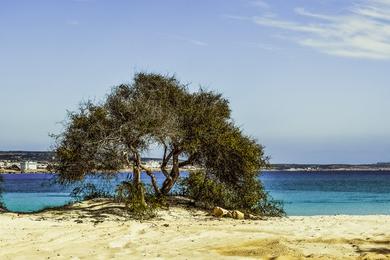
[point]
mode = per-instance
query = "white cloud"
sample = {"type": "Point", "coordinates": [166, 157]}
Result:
{"type": "Point", "coordinates": [363, 31]}
{"type": "Point", "coordinates": [184, 39]}
{"type": "Point", "coordinates": [236, 17]}
{"type": "Point", "coordinates": [196, 42]}
{"type": "Point", "coordinates": [260, 3]}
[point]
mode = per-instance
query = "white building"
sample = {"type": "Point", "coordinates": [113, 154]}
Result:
{"type": "Point", "coordinates": [153, 164]}
{"type": "Point", "coordinates": [28, 166]}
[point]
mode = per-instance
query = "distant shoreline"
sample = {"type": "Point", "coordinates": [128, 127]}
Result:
{"type": "Point", "coordinates": [330, 170]}
{"type": "Point", "coordinates": [265, 170]}
{"type": "Point", "coordinates": [19, 172]}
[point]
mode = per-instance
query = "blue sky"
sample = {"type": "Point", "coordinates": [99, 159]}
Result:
{"type": "Point", "coordinates": [308, 78]}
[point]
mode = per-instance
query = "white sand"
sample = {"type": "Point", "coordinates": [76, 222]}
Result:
{"type": "Point", "coordinates": [90, 231]}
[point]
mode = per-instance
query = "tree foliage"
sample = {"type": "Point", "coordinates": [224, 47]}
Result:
{"type": "Point", "coordinates": [210, 191]}
{"type": "Point", "coordinates": [192, 128]}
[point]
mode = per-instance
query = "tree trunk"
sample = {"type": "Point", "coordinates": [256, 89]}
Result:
{"type": "Point", "coordinates": [174, 175]}
{"type": "Point", "coordinates": [150, 173]}
{"type": "Point", "coordinates": [137, 181]}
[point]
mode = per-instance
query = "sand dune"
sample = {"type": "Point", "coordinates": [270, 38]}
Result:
{"type": "Point", "coordinates": [99, 230]}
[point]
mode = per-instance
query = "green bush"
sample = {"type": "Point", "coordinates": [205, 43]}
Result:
{"type": "Point", "coordinates": [206, 190]}
{"type": "Point", "coordinates": [127, 193]}
{"type": "Point", "coordinates": [248, 197]}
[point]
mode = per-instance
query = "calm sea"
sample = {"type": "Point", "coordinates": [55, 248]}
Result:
{"type": "Point", "coordinates": [303, 193]}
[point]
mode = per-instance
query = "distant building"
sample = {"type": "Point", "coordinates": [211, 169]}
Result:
{"type": "Point", "coordinates": [153, 164]}
{"type": "Point", "coordinates": [28, 166]}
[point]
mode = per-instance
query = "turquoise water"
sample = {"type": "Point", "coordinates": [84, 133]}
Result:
{"type": "Point", "coordinates": [329, 193]}
{"type": "Point", "coordinates": [34, 201]}
{"type": "Point", "coordinates": [303, 193]}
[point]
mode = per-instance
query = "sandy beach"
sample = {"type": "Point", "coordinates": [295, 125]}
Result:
{"type": "Point", "coordinates": [97, 230]}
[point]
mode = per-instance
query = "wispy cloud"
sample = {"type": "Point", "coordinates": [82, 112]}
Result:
{"type": "Point", "coordinates": [195, 42]}
{"type": "Point", "coordinates": [236, 17]}
{"type": "Point", "coordinates": [185, 39]}
{"type": "Point", "coordinates": [260, 3]}
{"type": "Point", "coordinates": [362, 31]}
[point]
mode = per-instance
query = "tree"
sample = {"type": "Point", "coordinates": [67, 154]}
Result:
{"type": "Point", "coordinates": [191, 128]}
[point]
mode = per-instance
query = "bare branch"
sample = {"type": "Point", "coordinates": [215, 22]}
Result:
{"type": "Point", "coordinates": [150, 173]}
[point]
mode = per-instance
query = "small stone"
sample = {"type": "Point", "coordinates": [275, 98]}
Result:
{"type": "Point", "coordinates": [237, 214]}
{"type": "Point", "coordinates": [250, 216]}
{"type": "Point", "coordinates": [219, 212]}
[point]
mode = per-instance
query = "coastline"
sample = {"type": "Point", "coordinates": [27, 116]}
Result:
{"type": "Point", "coordinates": [125, 170]}
{"type": "Point", "coordinates": [329, 170]}
{"type": "Point", "coordinates": [30, 172]}
{"type": "Point", "coordinates": [158, 170]}
{"type": "Point", "coordinates": [96, 229]}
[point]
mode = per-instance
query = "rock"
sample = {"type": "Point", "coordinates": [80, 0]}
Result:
{"type": "Point", "coordinates": [238, 214]}
{"type": "Point", "coordinates": [253, 217]}
{"type": "Point", "coordinates": [220, 212]}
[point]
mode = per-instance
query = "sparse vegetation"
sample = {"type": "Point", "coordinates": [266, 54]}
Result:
{"type": "Point", "coordinates": [129, 194]}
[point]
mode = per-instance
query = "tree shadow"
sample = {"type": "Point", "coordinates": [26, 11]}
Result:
{"type": "Point", "coordinates": [381, 250]}
{"type": "Point", "coordinates": [107, 209]}
{"type": "Point", "coordinates": [96, 211]}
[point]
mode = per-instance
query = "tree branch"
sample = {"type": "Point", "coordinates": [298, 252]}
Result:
{"type": "Point", "coordinates": [152, 178]}
{"type": "Point", "coordinates": [165, 152]}
{"type": "Point", "coordinates": [164, 163]}
{"type": "Point", "coordinates": [126, 155]}
{"type": "Point", "coordinates": [166, 159]}
{"type": "Point", "coordinates": [185, 163]}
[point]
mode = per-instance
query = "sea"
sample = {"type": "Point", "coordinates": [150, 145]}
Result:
{"type": "Point", "coordinates": [302, 193]}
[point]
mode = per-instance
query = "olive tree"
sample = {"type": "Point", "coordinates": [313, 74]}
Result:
{"type": "Point", "coordinates": [192, 128]}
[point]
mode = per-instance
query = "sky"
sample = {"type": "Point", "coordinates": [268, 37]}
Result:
{"type": "Point", "coordinates": [309, 79]}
